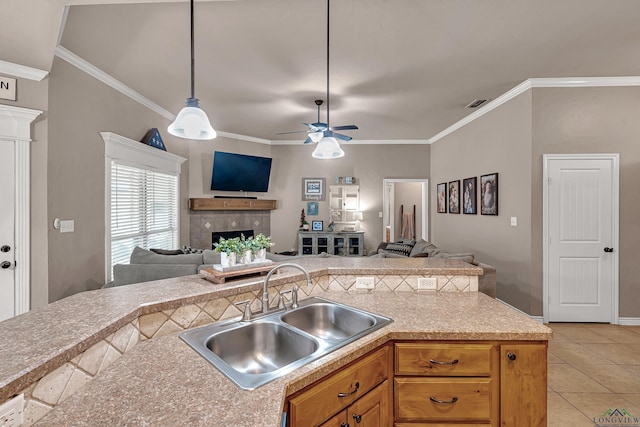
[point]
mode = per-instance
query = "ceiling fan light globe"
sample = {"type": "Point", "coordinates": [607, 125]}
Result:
{"type": "Point", "coordinates": [327, 148]}
{"type": "Point", "coordinates": [192, 123]}
{"type": "Point", "coordinates": [316, 136]}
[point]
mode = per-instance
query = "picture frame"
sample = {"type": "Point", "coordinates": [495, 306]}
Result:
{"type": "Point", "coordinates": [441, 194]}
{"type": "Point", "coordinates": [312, 208]}
{"type": "Point", "coordinates": [317, 225]}
{"type": "Point", "coordinates": [489, 194]}
{"type": "Point", "coordinates": [454, 197]}
{"type": "Point", "coordinates": [153, 139]}
{"type": "Point", "coordinates": [313, 189]}
{"type": "Point", "coordinates": [469, 196]}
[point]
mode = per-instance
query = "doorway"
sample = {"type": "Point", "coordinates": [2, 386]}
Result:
{"type": "Point", "coordinates": [15, 260]}
{"type": "Point", "coordinates": [580, 238]}
{"type": "Point", "coordinates": [399, 196]}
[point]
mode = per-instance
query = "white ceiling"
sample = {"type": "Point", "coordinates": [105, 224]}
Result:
{"type": "Point", "coordinates": [400, 69]}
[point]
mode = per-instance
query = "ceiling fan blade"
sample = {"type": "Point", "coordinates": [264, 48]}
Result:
{"type": "Point", "coordinates": [307, 141]}
{"type": "Point", "coordinates": [295, 131]}
{"type": "Point", "coordinates": [345, 127]}
{"type": "Point", "coordinates": [341, 136]}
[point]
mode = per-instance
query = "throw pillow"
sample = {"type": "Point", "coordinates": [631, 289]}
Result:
{"type": "Point", "coordinates": [189, 250]}
{"type": "Point", "coordinates": [399, 248]}
{"type": "Point", "coordinates": [421, 247]}
{"type": "Point", "coordinates": [167, 251]}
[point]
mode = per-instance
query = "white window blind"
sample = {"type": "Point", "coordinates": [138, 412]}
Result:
{"type": "Point", "coordinates": [144, 211]}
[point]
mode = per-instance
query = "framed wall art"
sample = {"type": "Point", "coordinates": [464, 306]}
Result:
{"type": "Point", "coordinates": [312, 208]}
{"type": "Point", "coordinates": [316, 225]}
{"type": "Point", "coordinates": [441, 191]}
{"type": "Point", "coordinates": [469, 186]}
{"type": "Point", "coordinates": [313, 189]}
{"type": "Point", "coordinates": [489, 194]}
{"type": "Point", "coordinates": [454, 197]}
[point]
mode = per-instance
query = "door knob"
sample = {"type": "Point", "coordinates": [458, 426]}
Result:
{"type": "Point", "coordinates": [5, 248]}
{"type": "Point", "coordinates": [5, 264]}
{"type": "Point", "coordinates": [608, 249]}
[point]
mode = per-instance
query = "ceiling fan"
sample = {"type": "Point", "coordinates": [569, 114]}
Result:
{"type": "Point", "coordinates": [318, 130]}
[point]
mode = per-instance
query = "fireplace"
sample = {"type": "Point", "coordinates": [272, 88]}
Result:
{"type": "Point", "coordinates": [216, 235]}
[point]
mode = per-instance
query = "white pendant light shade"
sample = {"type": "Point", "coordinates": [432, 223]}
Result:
{"type": "Point", "coordinates": [192, 122]}
{"type": "Point", "coordinates": [328, 148]}
{"type": "Point", "coordinates": [316, 136]}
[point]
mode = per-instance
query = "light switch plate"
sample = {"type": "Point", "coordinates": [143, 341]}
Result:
{"type": "Point", "coordinates": [365, 283]}
{"type": "Point", "coordinates": [514, 221]}
{"type": "Point", "coordinates": [67, 226]}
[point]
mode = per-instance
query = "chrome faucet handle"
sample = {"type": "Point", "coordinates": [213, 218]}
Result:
{"type": "Point", "coordinates": [246, 314]}
{"type": "Point", "coordinates": [281, 301]}
{"type": "Point", "coordinates": [294, 297]}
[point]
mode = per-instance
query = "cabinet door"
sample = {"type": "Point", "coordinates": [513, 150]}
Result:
{"type": "Point", "coordinates": [339, 420]}
{"type": "Point", "coordinates": [373, 409]}
{"type": "Point", "coordinates": [523, 380]}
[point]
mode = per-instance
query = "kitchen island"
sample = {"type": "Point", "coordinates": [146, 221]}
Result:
{"type": "Point", "coordinates": [144, 377]}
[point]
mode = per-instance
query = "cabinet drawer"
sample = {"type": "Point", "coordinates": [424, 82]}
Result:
{"type": "Point", "coordinates": [321, 401]}
{"type": "Point", "coordinates": [470, 399]}
{"type": "Point", "coordinates": [440, 425]}
{"type": "Point", "coordinates": [443, 359]}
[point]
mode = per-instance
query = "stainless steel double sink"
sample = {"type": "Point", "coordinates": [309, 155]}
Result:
{"type": "Point", "coordinates": [258, 351]}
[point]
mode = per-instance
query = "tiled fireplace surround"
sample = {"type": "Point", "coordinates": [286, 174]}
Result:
{"type": "Point", "coordinates": [203, 223]}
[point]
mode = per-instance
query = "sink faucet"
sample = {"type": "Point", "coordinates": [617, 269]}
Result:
{"type": "Point", "coordinates": [265, 293]}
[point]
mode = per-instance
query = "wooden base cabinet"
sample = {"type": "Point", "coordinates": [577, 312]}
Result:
{"type": "Point", "coordinates": [470, 383]}
{"type": "Point", "coordinates": [361, 389]}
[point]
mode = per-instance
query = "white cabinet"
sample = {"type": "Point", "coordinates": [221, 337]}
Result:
{"type": "Point", "coordinates": [344, 203]}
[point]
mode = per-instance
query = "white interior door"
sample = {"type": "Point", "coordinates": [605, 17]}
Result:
{"type": "Point", "coordinates": [581, 225]}
{"type": "Point", "coordinates": [7, 230]}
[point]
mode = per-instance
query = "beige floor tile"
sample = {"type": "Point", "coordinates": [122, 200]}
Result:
{"type": "Point", "coordinates": [561, 413]}
{"type": "Point", "coordinates": [580, 354]}
{"type": "Point", "coordinates": [615, 378]}
{"type": "Point", "coordinates": [566, 378]}
{"type": "Point", "coordinates": [635, 369]}
{"type": "Point", "coordinates": [552, 358]}
{"type": "Point", "coordinates": [617, 333]}
{"type": "Point", "coordinates": [620, 354]}
{"type": "Point", "coordinates": [581, 334]}
{"type": "Point", "coordinates": [633, 398]}
{"type": "Point", "coordinates": [558, 336]}
{"type": "Point", "coordinates": [595, 405]}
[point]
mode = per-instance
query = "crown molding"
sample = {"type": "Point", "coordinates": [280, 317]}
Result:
{"type": "Point", "coordinates": [537, 83]}
{"type": "Point", "coordinates": [22, 71]}
{"type": "Point", "coordinates": [244, 137]}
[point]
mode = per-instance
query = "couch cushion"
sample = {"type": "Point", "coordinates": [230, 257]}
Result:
{"type": "Point", "coordinates": [126, 274]}
{"type": "Point", "coordinates": [399, 248]}
{"type": "Point", "coordinates": [421, 247]}
{"type": "Point", "coordinates": [210, 256]}
{"type": "Point", "coordinates": [383, 253]}
{"type": "Point", "coordinates": [143, 256]}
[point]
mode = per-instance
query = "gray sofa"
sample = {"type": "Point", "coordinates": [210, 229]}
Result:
{"type": "Point", "coordinates": [422, 248]}
{"type": "Point", "coordinates": [145, 265]}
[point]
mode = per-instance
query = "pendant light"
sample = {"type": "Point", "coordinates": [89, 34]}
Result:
{"type": "Point", "coordinates": [192, 122]}
{"type": "Point", "coordinates": [328, 147]}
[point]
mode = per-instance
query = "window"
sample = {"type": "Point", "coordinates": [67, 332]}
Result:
{"type": "Point", "coordinates": [144, 211]}
{"type": "Point", "coordinates": [142, 199]}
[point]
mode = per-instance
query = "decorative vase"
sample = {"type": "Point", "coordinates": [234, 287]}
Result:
{"type": "Point", "coordinates": [246, 257]}
{"type": "Point", "coordinates": [227, 260]}
{"type": "Point", "coordinates": [261, 255]}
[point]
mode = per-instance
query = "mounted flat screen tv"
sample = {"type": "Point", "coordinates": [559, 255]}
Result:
{"type": "Point", "coordinates": [240, 172]}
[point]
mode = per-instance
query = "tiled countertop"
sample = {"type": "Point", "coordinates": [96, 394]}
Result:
{"type": "Point", "coordinates": [163, 382]}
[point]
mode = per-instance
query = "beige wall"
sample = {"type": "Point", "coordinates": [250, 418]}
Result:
{"type": "Point", "coordinates": [591, 120]}
{"type": "Point", "coordinates": [369, 164]}
{"type": "Point", "coordinates": [79, 108]}
{"type": "Point", "coordinates": [499, 141]}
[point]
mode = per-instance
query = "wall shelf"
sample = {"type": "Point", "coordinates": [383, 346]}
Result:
{"type": "Point", "coordinates": [231, 204]}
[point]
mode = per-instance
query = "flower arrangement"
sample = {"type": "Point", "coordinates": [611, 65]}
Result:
{"type": "Point", "coordinates": [243, 247]}
{"type": "Point", "coordinates": [228, 246]}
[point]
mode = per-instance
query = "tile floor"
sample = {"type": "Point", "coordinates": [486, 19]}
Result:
{"type": "Point", "coordinates": [593, 367]}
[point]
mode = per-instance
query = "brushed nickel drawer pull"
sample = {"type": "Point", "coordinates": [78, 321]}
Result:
{"type": "Point", "coordinates": [437, 362]}
{"type": "Point", "coordinates": [351, 392]}
{"type": "Point", "coordinates": [444, 402]}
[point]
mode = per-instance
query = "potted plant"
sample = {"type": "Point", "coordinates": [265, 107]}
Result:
{"type": "Point", "coordinates": [244, 249]}
{"type": "Point", "coordinates": [228, 249]}
{"type": "Point", "coordinates": [260, 244]}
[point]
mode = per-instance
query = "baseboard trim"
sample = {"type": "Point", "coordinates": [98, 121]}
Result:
{"type": "Point", "coordinates": [629, 321]}
{"type": "Point", "coordinates": [538, 319]}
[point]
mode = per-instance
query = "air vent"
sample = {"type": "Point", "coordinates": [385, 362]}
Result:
{"type": "Point", "coordinates": [476, 103]}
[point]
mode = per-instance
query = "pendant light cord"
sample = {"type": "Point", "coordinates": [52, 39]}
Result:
{"type": "Point", "coordinates": [193, 61]}
{"type": "Point", "coordinates": [328, 104]}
